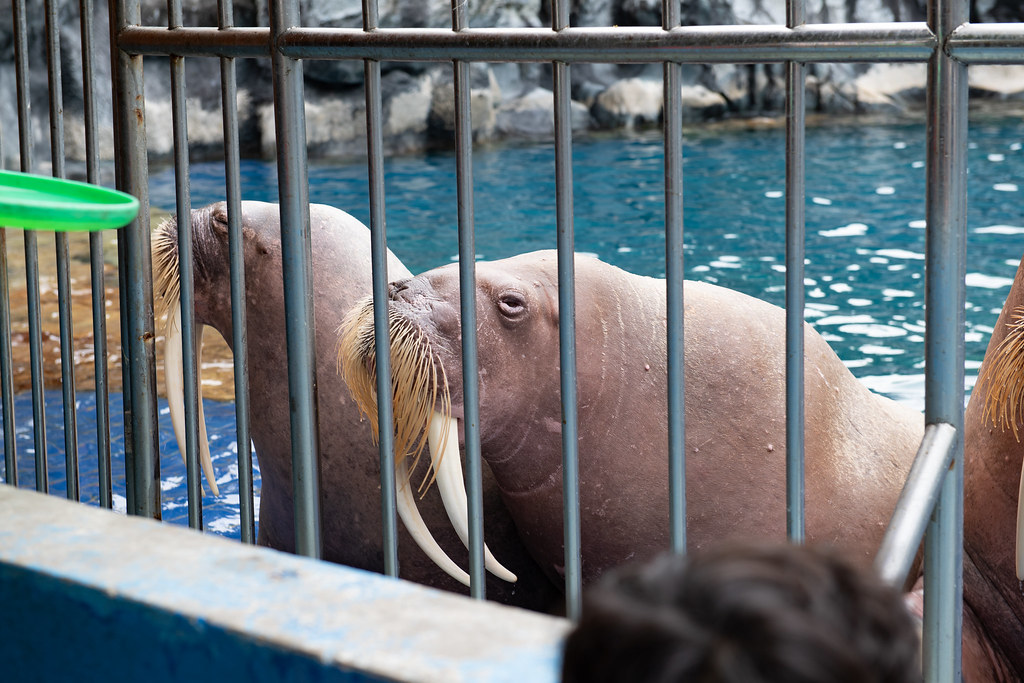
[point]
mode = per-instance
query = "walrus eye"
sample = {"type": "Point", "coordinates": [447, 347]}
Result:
{"type": "Point", "coordinates": [512, 305]}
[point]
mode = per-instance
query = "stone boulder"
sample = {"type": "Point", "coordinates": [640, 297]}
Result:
{"type": "Point", "coordinates": [507, 100]}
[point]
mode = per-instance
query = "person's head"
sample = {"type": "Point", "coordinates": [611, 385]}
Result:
{"type": "Point", "coordinates": [749, 613]}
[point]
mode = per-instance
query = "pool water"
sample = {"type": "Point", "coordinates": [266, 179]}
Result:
{"type": "Point", "coordinates": [864, 245]}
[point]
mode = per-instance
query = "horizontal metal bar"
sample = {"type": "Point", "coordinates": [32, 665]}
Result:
{"type": "Point", "coordinates": [915, 504]}
{"type": "Point", "coordinates": [987, 44]}
{"type": "Point", "coordinates": [869, 42]}
{"type": "Point", "coordinates": [195, 41]}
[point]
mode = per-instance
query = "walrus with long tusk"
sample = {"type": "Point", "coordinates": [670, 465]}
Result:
{"type": "Point", "coordinates": [349, 462]}
{"type": "Point", "coordinates": [859, 445]}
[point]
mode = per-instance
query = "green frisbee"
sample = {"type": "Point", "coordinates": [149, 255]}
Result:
{"type": "Point", "coordinates": [42, 203]}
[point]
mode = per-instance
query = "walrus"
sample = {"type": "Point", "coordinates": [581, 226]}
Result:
{"type": "Point", "coordinates": [993, 616]}
{"type": "Point", "coordinates": [349, 462]}
{"type": "Point", "coordinates": [859, 445]}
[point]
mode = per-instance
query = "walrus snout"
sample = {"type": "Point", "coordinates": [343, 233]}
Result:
{"type": "Point", "coordinates": [397, 287]}
{"type": "Point", "coordinates": [419, 303]}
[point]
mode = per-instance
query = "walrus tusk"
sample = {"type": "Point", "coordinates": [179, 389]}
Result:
{"type": "Point", "coordinates": [410, 514]}
{"type": "Point", "coordinates": [174, 379]}
{"type": "Point", "coordinates": [447, 464]}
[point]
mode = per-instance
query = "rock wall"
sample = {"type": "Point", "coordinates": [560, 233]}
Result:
{"type": "Point", "coordinates": [508, 100]}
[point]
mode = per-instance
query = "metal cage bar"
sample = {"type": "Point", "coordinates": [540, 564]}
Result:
{"type": "Point", "coordinates": [31, 250]}
{"type": "Point", "coordinates": [67, 353]}
{"type": "Point", "coordinates": [467, 298]}
{"type": "Point", "coordinates": [186, 290]}
{"type": "Point", "coordinates": [236, 267]}
{"type": "Point", "coordinates": [6, 369]}
{"type": "Point", "coordinates": [674, 287]}
{"type": "Point", "coordinates": [382, 331]}
{"type": "Point", "coordinates": [870, 42]}
{"type": "Point", "coordinates": [924, 484]}
{"type": "Point", "coordinates": [142, 454]}
{"type": "Point", "coordinates": [297, 272]}
{"type": "Point", "coordinates": [796, 150]}
{"type": "Point", "coordinates": [567, 321]}
{"type": "Point", "coordinates": [96, 273]}
{"type": "Point", "coordinates": [945, 268]}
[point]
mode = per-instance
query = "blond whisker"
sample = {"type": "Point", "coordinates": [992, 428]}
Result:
{"type": "Point", "coordinates": [415, 385]}
{"type": "Point", "coordinates": [1002, 378]}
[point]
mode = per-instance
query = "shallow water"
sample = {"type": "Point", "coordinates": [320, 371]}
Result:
{"type": "Point", "coordinates": [864, 246]}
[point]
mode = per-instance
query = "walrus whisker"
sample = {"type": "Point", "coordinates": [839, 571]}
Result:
{"type": "Point", "coordinates": [416, 388]}
{"type": "Point", "coordinates": [166, 287]}
{"type": "Point", "coordinates": [1002, 377]}
{"type": "Point", "coordinates": [422, 417]}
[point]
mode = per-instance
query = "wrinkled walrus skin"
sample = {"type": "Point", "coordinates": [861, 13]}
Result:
{"type": "Point", "coordinates": [350, 506]}
{"type": "Point", "coordinates": [859, 445]}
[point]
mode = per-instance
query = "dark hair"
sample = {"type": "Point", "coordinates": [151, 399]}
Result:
{"type": "Point", "coordinates": [753, 613]}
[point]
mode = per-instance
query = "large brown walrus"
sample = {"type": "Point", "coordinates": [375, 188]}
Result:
{"type": "Point", "coordinates": [993, 530]}
{"type": "Point", "coordinates": [859, 445]}
{"type": "Point", "coordinates": [349, 463]}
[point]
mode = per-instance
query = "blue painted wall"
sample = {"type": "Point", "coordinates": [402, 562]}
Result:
{"type": "Point", "coordinates": [91, 595]}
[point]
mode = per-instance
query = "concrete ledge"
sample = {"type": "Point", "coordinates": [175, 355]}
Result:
{"type": "Point", "coordinates": [91, 595]}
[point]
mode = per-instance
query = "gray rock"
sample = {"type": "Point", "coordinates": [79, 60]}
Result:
{"type": "Point", "coordinates": [507, 100]}
{"type": "Point", "coordinates": [533, 116]}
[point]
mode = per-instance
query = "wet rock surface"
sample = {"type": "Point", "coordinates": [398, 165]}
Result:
{"type": "Point", "coordinates": [508, 100]}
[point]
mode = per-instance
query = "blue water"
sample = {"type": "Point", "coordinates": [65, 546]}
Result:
{"type": "Point", "coordinates": [864, 246]}
{"type": "Point", "coordinates": [220, 514]}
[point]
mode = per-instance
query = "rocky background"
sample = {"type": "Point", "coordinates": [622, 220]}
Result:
{"type": "Point", "coordinates": [509, 101]}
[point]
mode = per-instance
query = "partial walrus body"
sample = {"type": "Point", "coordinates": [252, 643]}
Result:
{"type": "Point", "coordinates": [859, 446]}
{"type": "Point", "coordinates": [350, 507]}
{"type": "Point", "coordinates": [993, 616]}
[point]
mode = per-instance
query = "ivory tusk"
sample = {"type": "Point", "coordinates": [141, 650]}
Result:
{"type": "Point", "coordinates": [174, 381]}
{"type": "Point", "coordinates": [204, 441]}
{"type": "Point", "coordinates": [410, 514]}
{"type": "Point", "coordinates": [447, 463]}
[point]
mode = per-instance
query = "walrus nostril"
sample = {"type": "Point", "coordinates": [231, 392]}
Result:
{"type": "Point", "coordinates": [397, 286]}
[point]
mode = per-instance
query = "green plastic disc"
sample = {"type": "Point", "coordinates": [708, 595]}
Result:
{"type": "Point", "coordinates": [42, 203]}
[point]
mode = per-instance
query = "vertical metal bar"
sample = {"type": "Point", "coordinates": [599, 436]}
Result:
{"type": "Point", "coordinates": [36, 360]}
{"type": "Point", "coordinates": [67, 351]}
{"type": "Point", "coordinates": [31, 249]}
{"type": "Point", "coordinates": [467, 285]}
{"type": "Point", "coordinates": [6, 369]}
{"type": "Point", "coordinates": [567, 322]}
{"type": "Point", "coordinates": [99, 297]}
{"type": "Point", "coordinates": [6, 360]}
{"type": "Point", "coordinates": [126, 87]}
{"type": "Point", "coordinates": [142, 461]}
{"type": "Point", "coordinates": [945, 264]}
{"type": "Point", "coordinates": [672, 82]}
{"type": "Point", "coordinates": [382, 332]}
{"type": "Point", "coordinates": [183, 204]}
{"type": "Point", "coordinates": [795, 152]}
{"type": "Point", "coordinates": [126, 370]}
{"type": "Point", "coordinates": [239, 336]}
{"type": "Point", "coordinates": [298, 281]}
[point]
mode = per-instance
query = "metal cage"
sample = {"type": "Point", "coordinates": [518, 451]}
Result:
{"type": "Point", "coordinates": [947, 42]}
